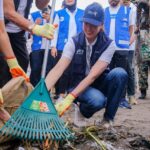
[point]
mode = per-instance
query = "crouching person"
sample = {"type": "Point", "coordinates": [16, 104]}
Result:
{"type": "Point", "coordinates": [92, 85]}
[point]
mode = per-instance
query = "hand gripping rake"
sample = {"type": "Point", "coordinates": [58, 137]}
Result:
{"type": "Point", "coordinates": [37, 119]}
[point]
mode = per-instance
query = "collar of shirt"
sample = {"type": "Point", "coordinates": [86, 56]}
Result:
{"type": "Point", "coordinates": [90, 44]}
{"type": "Point", "coordinates": [71, 13]}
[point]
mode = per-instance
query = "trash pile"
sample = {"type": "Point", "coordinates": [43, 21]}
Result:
{"type": "Point", "coordinates": [117, 138]}
{"type": "Point", "coordinates": [90, 138]}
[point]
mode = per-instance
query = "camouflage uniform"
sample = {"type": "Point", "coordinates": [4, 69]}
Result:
{"type": "Point", "coordinates": [143, 44]}
{"type": "Point", "coordinates": [143, 75]}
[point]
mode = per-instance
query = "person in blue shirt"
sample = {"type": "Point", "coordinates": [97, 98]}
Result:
{"type": "Point", "coordinates": [119, 26]}
{"type": "Point", "coordinates": [131, 67]}
{"type": "Point", "coordinates": [69, 24]}
{"type": "Point", "coordinates": [38, 46]}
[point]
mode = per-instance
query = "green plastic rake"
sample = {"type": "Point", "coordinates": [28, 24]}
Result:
{"type": "Point", "coordinates": [37, 119]}
{"type": "Point", "coordinates": [31, 124]}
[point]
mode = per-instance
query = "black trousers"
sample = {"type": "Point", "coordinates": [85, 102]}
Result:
{"type": "Point", "coordinates": [121, 59]}
{"type": "Point", "coordinates": [63, 82]}
{"type": "Point", "coordinates": [5, 76]}
{"type": "Point", "coordinates": [18, 43]}
{"type": "Point", "coordinates": [36, 62]}
{"type": "Point", "coordinates": [131, 75]}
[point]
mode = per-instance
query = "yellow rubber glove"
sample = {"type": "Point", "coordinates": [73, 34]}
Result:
{"type": "Point", "coordinates": [1, 98]}
{"type": "Point", "coordinates": [46, 31]}
{"type": "Point", "coordinates": [15, 69]}
{"type": "Point", "coordinates": [65, 104]}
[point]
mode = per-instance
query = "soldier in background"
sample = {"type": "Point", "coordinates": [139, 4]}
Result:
{"type": "Point", "coordinates": [143, 47]}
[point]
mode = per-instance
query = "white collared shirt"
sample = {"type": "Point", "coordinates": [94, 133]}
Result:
{"type": "Point", "coordinates": [90, 45]}
{"type": "Point", "coordinates": [134, 16]}
{"type": "Point", "coordinates": [106, 56]}
{"type": "Point", "coordinates": [89, 48]}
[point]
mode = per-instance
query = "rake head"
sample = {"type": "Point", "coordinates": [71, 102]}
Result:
{"type": "Point", "coordinates": [35, 126]}
{"type": "Point", "coordinates": [29, 123]}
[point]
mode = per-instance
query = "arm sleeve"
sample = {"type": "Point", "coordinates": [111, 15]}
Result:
{"type": "Point", "coordinates": [1, 10]}
{"type": "Point", "coordinates": [54, 41]}
{"type": "Point", "coordinates": [132, 16]}
{"type": "Point", "coordinates": [69, 49]}
{"type": "Point", "coordinates": [108, 53]}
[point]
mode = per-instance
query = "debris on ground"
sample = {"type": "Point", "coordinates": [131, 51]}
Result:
{"type": "Point", "coordinates": [130, 132]}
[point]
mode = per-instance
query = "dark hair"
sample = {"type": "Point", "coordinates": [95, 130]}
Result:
{"type": "Point", "coordinates": [63, 4]}
{"type": "Point", "coordinates": [46, 9]}
{"type": "Point", "coordinates": [143, 19]}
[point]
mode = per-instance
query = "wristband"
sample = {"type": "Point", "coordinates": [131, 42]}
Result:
{"type": "Point", "coordinates": [73, 95]}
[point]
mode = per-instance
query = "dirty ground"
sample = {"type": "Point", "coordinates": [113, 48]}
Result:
{"type": "Point", "coordinates": [131, 132]}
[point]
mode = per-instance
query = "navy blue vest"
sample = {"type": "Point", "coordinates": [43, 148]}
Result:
{"type": "Point", "coordinates": [78, 64]}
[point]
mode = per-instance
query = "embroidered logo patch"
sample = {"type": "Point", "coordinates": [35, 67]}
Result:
{"type": "Point", "coordinates": [80, 51]}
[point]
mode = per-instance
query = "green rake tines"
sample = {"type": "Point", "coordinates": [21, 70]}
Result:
{"type": "Point", "coordinates": [34, 122]}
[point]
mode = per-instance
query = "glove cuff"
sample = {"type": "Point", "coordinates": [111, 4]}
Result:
{"type": "Point", "coordinates": [30, 27]}
{"type": "Point", "coordinates": [36, 29]}
{"type": "Point", "coordinates": [12, 63]}
{"type": "Point", "coordinates": [70, 97]}
{"type": "Point", "coordinates": [73, 95]}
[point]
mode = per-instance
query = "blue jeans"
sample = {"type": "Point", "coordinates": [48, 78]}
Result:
{"type": "Point", "coordinates": [107, 95]}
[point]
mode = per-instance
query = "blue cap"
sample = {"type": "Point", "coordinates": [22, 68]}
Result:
{"type": "Point", "coordinates": [94, 14]}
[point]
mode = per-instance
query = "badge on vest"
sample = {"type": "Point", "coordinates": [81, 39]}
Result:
{"type": "Point", "coordinates": [80, 52]}
{"type": "Point", "coordinates": [124, 19]}
{"type": "Point", "coordinates": [125, 22]}
{"type": "Point", "coordinates": [97, 52]}
{"type": "Point", "coordinates": [61, 19]}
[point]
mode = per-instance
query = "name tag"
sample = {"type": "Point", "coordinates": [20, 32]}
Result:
{"type": "Point", "coordinates": [123, 42]}
{"type": "Point", "coordinates": [61, 19]}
